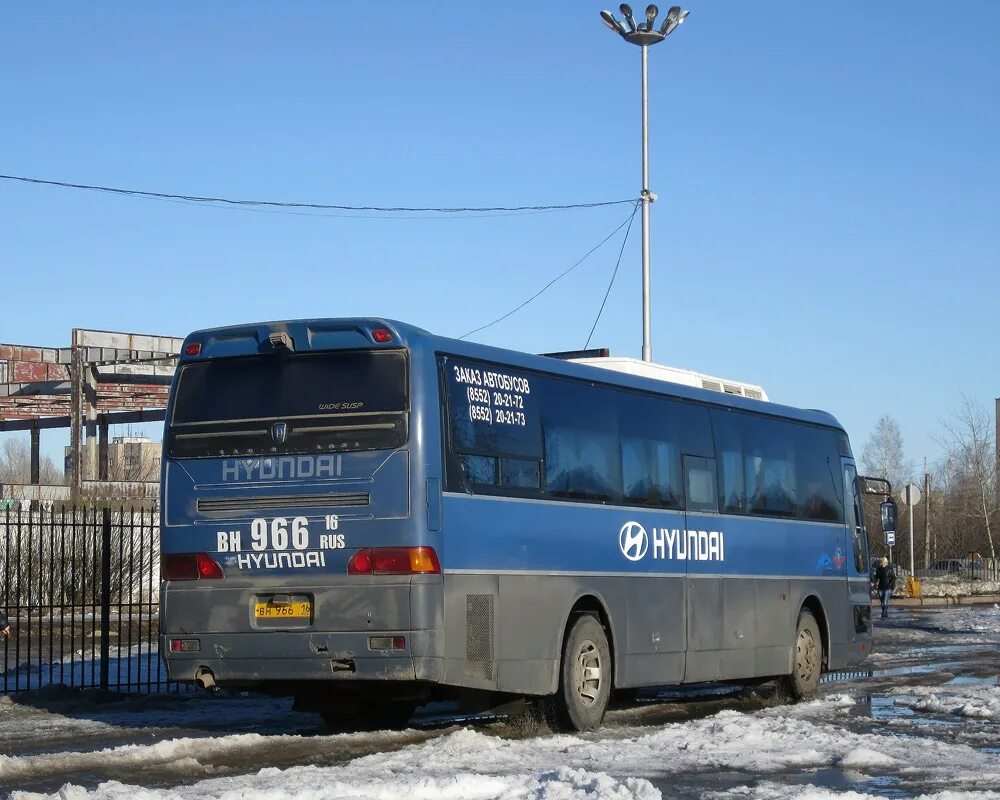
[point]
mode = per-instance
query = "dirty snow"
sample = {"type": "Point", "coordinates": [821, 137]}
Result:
{"type": "Point", "coordinates": [830, 748]}
{"type": "Point", "coordinates": [615, 764]}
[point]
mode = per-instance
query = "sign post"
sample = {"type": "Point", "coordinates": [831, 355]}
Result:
{"type": "Point", "coordinates": [911, 496]}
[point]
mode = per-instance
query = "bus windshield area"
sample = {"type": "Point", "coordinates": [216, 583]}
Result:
{"type": "Point", "coordinates": [290, 403]}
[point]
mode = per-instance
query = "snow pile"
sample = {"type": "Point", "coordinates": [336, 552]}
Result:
{"type": "Point", "coordinates": [613, 763]}
{"type": "Point", "coordinates": [957, 586]}
{"type": "Point", "coordinates": [314, 783]}
{"type": "Point", "coordinates": [979, 702]}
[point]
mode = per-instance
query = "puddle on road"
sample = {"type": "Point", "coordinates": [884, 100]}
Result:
{"type": "Point", "coordinates": [973, 680]}
{"type": "Point", "coordinates": [850, 780]}
{"type": "Point", "coordinates": [696, 785]}
{"type": "Point", "coordinates": [884, 708]}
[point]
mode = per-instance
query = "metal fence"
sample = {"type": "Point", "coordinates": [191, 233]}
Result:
{"type": "Point", "coordinates": [954, 556]}
{"type": "Point", "coordinates": [80, 587]}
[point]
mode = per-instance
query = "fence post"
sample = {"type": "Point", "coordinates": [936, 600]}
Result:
{"type": "Point", "coordinates": [105, 596]}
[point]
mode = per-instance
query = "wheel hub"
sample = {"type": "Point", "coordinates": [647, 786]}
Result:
{"type": "Point", "coordinates": [587, 672]}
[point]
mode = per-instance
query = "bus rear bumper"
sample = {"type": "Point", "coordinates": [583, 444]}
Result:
{"type": "Point", "coordinates": [245, 659]}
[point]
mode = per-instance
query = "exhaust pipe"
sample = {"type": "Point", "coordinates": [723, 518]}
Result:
{"type": "Point", "coordinates": [205, 679]}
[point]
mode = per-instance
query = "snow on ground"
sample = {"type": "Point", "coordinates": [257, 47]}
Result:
{"type": "Point", "coordinates": [955, 586]}
{"type": "Point", "coordinates": [776, 791]}
{"type": "Point", "coordinates": [979, 702]}
{"type": "Point", "coordinates": [967, 619]}
{"type": "Point", "coordinates": [614, 763]}
{"type": "Point", "coordinates": [138, 666]}
{"type": "Point", "coordinates": [935, 742]}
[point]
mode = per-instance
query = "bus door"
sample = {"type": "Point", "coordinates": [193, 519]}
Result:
{"type": "Point", "coordinates": [858, 567]}
{"type": "Point", "coordinates": [703, 551]}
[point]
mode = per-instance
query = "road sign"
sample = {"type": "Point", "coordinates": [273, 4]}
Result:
{"type": "Point", "coordinates": [911, 494]}
{"type": "Point", "coordinates": [890, 538]}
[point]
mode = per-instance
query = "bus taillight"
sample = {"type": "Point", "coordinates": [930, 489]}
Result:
{"type": "Point", "coordinates": [189, 567]}
{"type": "Point", "coordinates": [394, 561]}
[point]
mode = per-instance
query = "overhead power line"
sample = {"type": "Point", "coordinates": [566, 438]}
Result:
{"type": "Point", "coordinates": [191, 198]}
{"type": "Point", "coordinates": [613, 276]}
{"type": "Point", "coordinates": [564, 273]}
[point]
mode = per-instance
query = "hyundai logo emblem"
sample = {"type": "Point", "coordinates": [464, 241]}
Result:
{"type": "Point", "coordinates": [633, 541]}
{"type": "Point", "coordinates": [279, 432]}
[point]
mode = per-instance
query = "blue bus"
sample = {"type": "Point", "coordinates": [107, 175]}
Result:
{"type": "Point", "coordinates": [368, 517]}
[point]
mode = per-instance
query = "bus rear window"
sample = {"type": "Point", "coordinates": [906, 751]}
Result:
{"type": "Point", "coordinates": [353, 400]}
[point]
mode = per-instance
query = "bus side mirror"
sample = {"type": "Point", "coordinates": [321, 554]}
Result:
{"type": "Point", "coordinates": [888, 509]}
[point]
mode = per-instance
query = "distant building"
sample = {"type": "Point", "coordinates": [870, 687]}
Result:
{"type": "Point", "coordinates": [130, 458]}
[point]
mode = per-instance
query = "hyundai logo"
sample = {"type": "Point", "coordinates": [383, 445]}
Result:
{"type": "Point", "coordinates": [279, 432]}
{"type": "Point", "coordinates": [633, 541]}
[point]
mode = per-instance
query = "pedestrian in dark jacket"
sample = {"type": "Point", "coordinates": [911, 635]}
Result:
{"type": "Point", "coordinates": [4, 624]}
{"type": "Point", "coordinates": [884, 581]}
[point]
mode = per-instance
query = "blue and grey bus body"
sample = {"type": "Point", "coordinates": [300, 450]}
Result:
{"type": "Point", "coordinates": [685, 594]}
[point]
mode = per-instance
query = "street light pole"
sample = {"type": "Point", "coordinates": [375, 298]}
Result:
{"type": "Point", "coordinates": [644, 35]}
{"type": "Point", "coordinates": [647, 197]}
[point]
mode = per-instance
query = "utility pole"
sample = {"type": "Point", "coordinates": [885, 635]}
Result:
{"type": "Point", "coordinates": [927, 518]}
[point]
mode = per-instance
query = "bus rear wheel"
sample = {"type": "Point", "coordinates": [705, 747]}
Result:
{"type": "Point", "coordinates": [807, 658]}
{"type": "Point", "coordinates": [584, 677]}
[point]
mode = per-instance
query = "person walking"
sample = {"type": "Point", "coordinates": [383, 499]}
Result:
{"type": "Point", "coordinates": [4, 625]}
{"type": "Point", "coordinates": [884, 581]}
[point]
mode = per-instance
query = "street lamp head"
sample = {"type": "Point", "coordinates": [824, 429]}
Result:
{"type": "Point", "coordinates": [675, 16]}
{"type": "Point", "coordinates": [651, 12]}
{"type": "Point", "coordinates": [626, 10]}
{"type": "Point", "coordinates": [644, 35]}
{"type": "Point", "coordinates": [609, 19]}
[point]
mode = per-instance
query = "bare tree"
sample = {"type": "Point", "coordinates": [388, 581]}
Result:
{"type": "Point", "coordinates": [969, 443]}
{"type": "Point", "coordinates": [15, 464]}
{"type": "Point", "coordinates": [883, 454]}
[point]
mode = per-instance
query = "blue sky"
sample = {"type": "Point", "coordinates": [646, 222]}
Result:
{"type": "Point", "coordinates": [828, 181]}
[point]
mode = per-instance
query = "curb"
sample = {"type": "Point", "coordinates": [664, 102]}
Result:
{"type": "Point", "coordinates": [956, 600]}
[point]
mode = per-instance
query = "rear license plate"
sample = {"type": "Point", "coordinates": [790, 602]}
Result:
{"type": "Point", "coordinates": [301, 610]}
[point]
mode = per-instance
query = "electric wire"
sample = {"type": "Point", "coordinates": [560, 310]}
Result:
{"type": "Point", "coordinates": [561, 275]}
{"type": "Point", "coordinates": [191, 198]}
{"type": "Point", "coordinates": [613, 276]}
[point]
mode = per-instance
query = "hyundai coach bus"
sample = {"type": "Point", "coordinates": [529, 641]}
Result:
{"type": "Point", "coordinates": [367, 517]}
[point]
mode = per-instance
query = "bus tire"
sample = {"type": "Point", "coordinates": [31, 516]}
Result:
{"type": "Point", "coordinates": [585, 677]}
{"type": "Point", "coordinates": [807, 658]}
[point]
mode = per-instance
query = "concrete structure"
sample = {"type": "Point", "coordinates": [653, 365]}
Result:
{"type": "Point", "coordinates": [103, 378]}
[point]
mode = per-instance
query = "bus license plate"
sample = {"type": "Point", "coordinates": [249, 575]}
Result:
{"type": "Point", "coordinates": [302, 610]}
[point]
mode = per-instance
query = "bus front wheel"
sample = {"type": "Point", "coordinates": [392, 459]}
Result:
{"type": "Point", "coordinates": [807, 658]}
{"type": "Point", "coordinates": [585, 676]}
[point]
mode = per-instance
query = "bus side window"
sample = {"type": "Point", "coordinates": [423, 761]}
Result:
{"type": "Point", "coordinates": [520, 473]}
{"type": "Point", "coordinates": [581, 443]}
{"type": "Point", "coordinates": [699, 484]}
{"type": "Point", "coordinates": [651, 464]}
{"type": "Point", "coordinates": [479, 470]}
{"type": "Point", "coordinates": [729, 447]}
{"type": "Point", "coordinates": [856, 520]}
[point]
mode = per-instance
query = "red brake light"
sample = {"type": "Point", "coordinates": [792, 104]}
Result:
{"type": "Point", "coordinates": [394, 561]}
{"type": "Point", "coordinates": [360, 563]}
{"type": "Point", "coordinates": [189, 567]}
{"type": "Point", "coordinates": [193, 349]}
{"type": "Point", "coordinates": [391, 560]}
{"type": "Point", "coordinates": [382, 336]}
{"type": "Point", "coordinates": [207, 566]}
